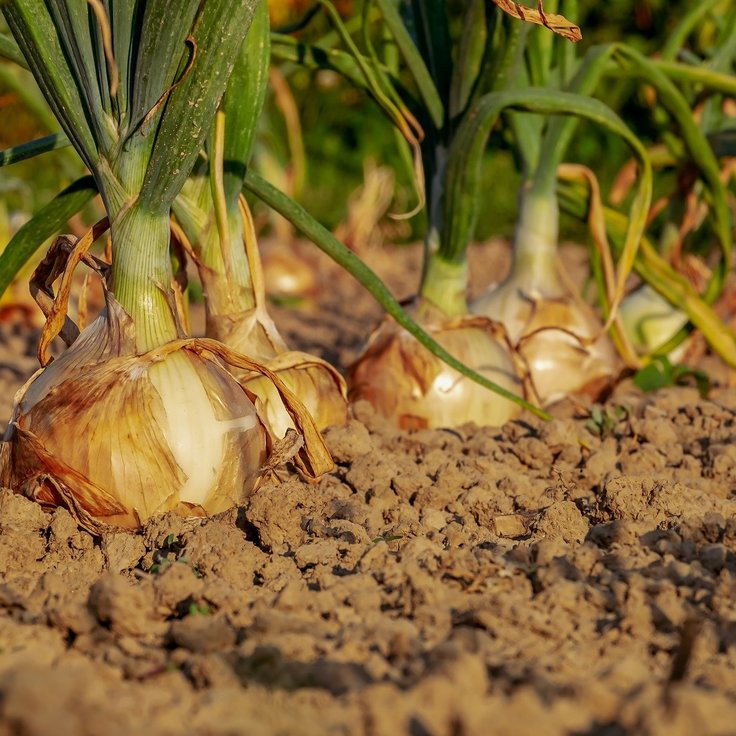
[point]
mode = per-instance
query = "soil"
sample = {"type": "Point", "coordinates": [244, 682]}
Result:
{"type": "Point", "coordinates": [547, 578]}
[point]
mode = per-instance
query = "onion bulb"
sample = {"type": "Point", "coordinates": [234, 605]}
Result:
{"type": "Point", "coordinates": [414, 389]}
{"type": "Point", "coordinates": [289, 271]}
{"type": "Point", "coordinates": [117, 437]}
{"type": "Point", "coordinates": [557, 334]}
{"type": "Point", "coordinates": [252, 331]}
{"type": "Point", "coordinates": [650, 321]}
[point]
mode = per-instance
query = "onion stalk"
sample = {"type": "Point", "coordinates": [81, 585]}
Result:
{"type": "Point", "coordinates": [133, 419]}
{"type": "Point", "coordinates": [560, 337]}
{"type": "Point", "coordinates": [216, 220]}
{"type": "Point", "coordinates": [447, 117]}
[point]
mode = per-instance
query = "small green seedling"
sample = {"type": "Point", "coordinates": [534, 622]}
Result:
{"type": "Point", "coordinates": [171, 551]}
{"type": "Point", "coordinates": [661, 373]}
{"type": "Point", "coordinates": [387, 538]}
{"type": "Point", "coordinates": [603, 424]}
{"type": "Point", "coordinates": [197, 609]}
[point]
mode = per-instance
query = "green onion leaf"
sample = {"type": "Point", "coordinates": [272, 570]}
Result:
{"type": "Point", "coordinates": [33, 148]}
{"type": "Point", "coordinates": [43, 225]}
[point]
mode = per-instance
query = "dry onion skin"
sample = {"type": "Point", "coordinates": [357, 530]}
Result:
{"type": "Point", "coordinates": [167, 430]}
{"type": "Point", "coordinates": [252, 331]}
{"type": "Point", "coordinates": [559, 337]}
{"type": "Point", "coordinates": [414, 389]}
{"type": "Point", "coordinates": [117, 437]}
{"type": "Point", "coordinates": [317, 383]}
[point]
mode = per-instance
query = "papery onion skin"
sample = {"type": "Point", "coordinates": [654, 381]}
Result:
{"type": "Point", "coordinates": [100, 431]}
{"type": "Point", "coordinates": [559, 338]}
{"type": "Point", "coordinates": [318, 384]}
{"type": "Point", "coordinates": [414, 389]}
{"type": "Point", "coordinates": [558, 335]}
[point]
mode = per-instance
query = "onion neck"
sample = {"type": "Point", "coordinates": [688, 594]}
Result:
{"type": "Point", "coordinates": [444, 285]}
{"type": "Point", "coordinates": [535, 257]}
{"type": "Point", "coordinates": [231, 289]}
{"type": "Point", "coordinates": [142, 273]}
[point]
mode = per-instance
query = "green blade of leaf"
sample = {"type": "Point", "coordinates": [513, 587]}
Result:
{"type": "Point", "coordinates": [33, 148]}
{"type": "Point", "coordinates": [560, 131]}
{"type": "Point", "coordinates": [43, 225]}
{"type": "Point", "coordinates": [9, 50]}
{"type": "Point", "coordinates": [34, 30]}
{"type": "Point", "coordinates": [161, 46]}
{"type": "Point", "coordinates": [677, 37]}
{"type": "Point", "coordinates": [566, 52]}
{"type": "Point", "coordinates": [429, 23]}
{"type": "Point", "coordinates": [509, 72]}
{"type": "Point", "coordinates": [471, 54]}
{"type": "Point", "coordinates": [466, 153]}
{"type": "Point", "coordinates": [192, 103]}
{"type": "Point", "coordinates": [243, 103]}
{"type": "Point", "coordinates": [539, 48]}
{"type": "Point", "coordinates": [284, 48]}
{"type": "Point", "coordinates": [700, 75]}
{"type": "Point", "coordinates": [122, 14]}
{"type": "Point", "coordinates": [632, 62]}
{"type": "Point", "coordinates": [342, 255]}
{"type": "Point", "coordinates": [76, 30]}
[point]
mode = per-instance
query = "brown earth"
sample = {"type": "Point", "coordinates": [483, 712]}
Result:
{"type": "Point", "coordinates": [533, 579]}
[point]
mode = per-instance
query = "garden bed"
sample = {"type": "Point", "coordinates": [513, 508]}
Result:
{"type": "Point", "coordinates": [540, 578]}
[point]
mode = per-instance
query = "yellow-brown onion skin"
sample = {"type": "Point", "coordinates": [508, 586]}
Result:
{"type": "Point", "coordinates": [414, 389]}
{"type": "Point", "coordinates": [317, 384]}
{"type": "Point", "coordinates": [552, 334]}
{"type": "Point", "coordinates": [91, 432]}
{"type": "Point", "coordinates": [289, 273]}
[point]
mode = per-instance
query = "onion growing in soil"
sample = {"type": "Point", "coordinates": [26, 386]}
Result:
{"type": "Point", "coordinates": [217, 230]}
{"type": "Point", "coordinates": [118, 436]}
{"type": "Point", "coordinates": [408, 384]}
{"type": "Point", "coordinates": [651, 321]}
{"type": "Point", "coordinates": [558, 335]}
{"type": "Point", "coordinates": [133, 419]}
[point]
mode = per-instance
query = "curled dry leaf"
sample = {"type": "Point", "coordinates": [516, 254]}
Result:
{"type": "Point", "coordinates": [414, 389]}
{"type": "Point", "coordinates": [556, 23]}
{"type": "Point", "coordinates": [318, 385]}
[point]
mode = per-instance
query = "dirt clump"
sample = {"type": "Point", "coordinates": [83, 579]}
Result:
{"type": "Point", "coordinates": [539, 578]}
{"type": "Point", "coordinates": [534, 578]}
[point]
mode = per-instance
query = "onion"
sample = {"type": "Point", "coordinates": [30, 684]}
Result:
{"type": "Point", "coordinates": [559, 337]}
{"type": "Point", "coordinates": [289, 271]}
{"type": "Point", "coordinates": [167, 430]}
{"type": "Point", "coordinates": [252, 331]}
{"type": "Point", "coordinates": [414, 389]}
{"type": "Point", "coordinates": [118, 437]}
{"type": "Point", "coordinates": [650, 321]}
